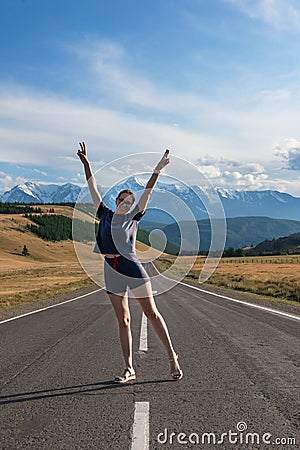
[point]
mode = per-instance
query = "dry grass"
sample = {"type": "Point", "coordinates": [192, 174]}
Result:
{"type": "Point", "coordinates": [52, 268]}
{"type": "Point", "coordinates": [274, 276]}
{"type": "Point", "coordinates": [28, 285]}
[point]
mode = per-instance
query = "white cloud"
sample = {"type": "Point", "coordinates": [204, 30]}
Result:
{"type": "Point", "coordinates": [7, 181]}
{"type": "Point", "coordinates": [291, 186]}
{"type": "Point", "coordinates": [276, 94]}
{"type": "Point", "coordinates": [254, 168]}
{"type": "Point", "coordinates": [45, 129]}
{"type": "Point", "coordinates": [234, 174]}
{"type": "Point", "coordinates": [209, 160]}
{"type": "Point", "coordinates": [253, 119]}
{"type": "Point", "coordinates": [289, 151]}
{"type": "Point", "coordinates": [211, 172]}
{"type": "Point", "coordinates": [281, 14]}
{"type": "Point", "coordinates": [43, 133]}
{"type": "Point", "coordinates": [40, 172]}
{"type": "Point", "coordinates": [42, 129]}
{"type": "Point", "coordinates": [226, 164]}
{"type": "Point", "coordinates": [109, 70]}
{"type": "Point", "coordinates": [247, 181]}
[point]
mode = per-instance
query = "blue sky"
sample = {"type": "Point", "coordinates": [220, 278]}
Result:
{"type": "Point", "coordinates": [215, 81]}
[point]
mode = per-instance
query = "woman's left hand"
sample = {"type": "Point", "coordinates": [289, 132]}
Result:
{"type": "Point", "coordinates": [164, 161]}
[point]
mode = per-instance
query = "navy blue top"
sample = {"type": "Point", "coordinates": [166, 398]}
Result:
{"type": "Point", "coordinates": [117, 232]}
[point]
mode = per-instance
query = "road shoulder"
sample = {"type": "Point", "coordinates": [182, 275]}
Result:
{"type": "Point", "coordinates": [8, 313]}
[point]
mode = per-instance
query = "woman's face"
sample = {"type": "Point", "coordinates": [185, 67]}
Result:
{"type": "Point", "coordinates": [124, 203]}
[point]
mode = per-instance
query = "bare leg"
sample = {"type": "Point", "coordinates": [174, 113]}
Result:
{"type": "Point", "coordinates": [144, 296]}
{"type": "Point", "coordinates": [120, 305]}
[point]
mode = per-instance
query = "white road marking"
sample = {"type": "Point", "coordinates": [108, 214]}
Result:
{"type": "Point", "coordinates": [143, 336]}
{"type": "Point", "coordinates": [264, 308]}
{"type": "Point", "coordinates": [52, 306]}
{"type": "Point", "coordinates": [140, 428]}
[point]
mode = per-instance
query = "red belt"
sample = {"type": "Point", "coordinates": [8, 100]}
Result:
{"type": "Point", "coordinates": [115, 262]}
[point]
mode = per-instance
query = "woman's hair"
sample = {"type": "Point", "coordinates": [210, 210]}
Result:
{"type": "Point", "coordinates": [127, 191]}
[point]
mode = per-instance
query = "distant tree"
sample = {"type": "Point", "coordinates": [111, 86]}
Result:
{"type": "Point", "coordinates": [16, 208]}
{"type": "Point", "coordinates": [239, 252]}
{"type": "Point", "coordinates": [229, 252]}
{"type": "Point", "coordinates": [25, 251]}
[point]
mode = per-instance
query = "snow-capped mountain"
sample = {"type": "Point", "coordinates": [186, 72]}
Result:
{"type": "Point", "coordinates": [35, 192]}
{"type": "Point", "coordinates": [168, 199]}
{"type": "Point", "coordinates": [266, 203]}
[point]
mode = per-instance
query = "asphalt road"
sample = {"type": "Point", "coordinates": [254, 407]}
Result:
{"type": "Point", "coordinates": [241, 370]}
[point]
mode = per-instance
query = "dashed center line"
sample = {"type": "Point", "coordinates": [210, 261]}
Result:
{"type": "Point", "coordinates": [140, 428]}
{"type": "Point", "coordinates": [143, 336]}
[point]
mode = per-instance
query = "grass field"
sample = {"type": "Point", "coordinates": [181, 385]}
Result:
{"type": "Point", "coordinates": [52, 268]}
{"type": "Point", "coordinates": [274, 276]}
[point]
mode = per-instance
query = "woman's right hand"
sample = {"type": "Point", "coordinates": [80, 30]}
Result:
{"type": "Point", "coordinates": [82, 153]}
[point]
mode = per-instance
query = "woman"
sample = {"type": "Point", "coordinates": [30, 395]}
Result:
{"type": "Point", "coordinates": [116, 241]}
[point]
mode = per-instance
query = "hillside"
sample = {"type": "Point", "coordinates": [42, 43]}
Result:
{"type": "Point", "coordinates": [288, 244]}
{"type": "Point", "coordinates": [14, 235]}
{"type": "Point", "coordinates": [50, 269]}
{"type": "Point", "coordinates": [241, 231]}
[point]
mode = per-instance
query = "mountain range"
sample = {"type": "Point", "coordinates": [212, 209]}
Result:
{"type": "Point", "coordinates": [168, 201]}
{"type": "Point", "coordinates": [241, 232]}
{"type": "Point", "coordinates": [35, 192]}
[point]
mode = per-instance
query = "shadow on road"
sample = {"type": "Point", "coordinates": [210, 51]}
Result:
{"type": "Point", "coordinates": [80, 389]}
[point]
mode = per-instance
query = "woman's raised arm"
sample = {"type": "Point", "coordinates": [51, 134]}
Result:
{"type": "Point", "coordinates": [96, 197]}
{"type": "Point", "coordinates": [142, 204]}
